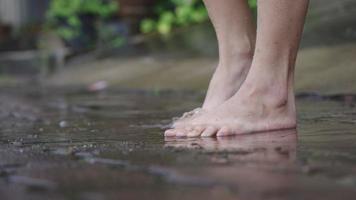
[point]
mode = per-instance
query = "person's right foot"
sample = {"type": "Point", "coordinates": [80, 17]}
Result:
{"type": "Point", "coordinates": [225, 82]}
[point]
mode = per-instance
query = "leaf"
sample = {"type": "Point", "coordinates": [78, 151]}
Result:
{"type": "Point", "coordinates": [148, 25]}
{"type": "Point", "coordinates": [74, 21]}
{"type": "Point", "coordinates": [164, 28]}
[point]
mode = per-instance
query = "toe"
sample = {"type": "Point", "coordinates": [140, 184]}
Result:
{"type": "Point", "coordinates": [181, 133]}
{"type": "Point", "coordinates": [196, 132]}
{"type": "Point", "coordinates": [170, 133]}
{"type": "Point", "coordinates": [209, 131]}
{"type": "Point", "coordinates": [224, 131]}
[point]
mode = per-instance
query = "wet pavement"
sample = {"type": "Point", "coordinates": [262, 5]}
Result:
{"type": "Point", "coordinates": [71, 144]}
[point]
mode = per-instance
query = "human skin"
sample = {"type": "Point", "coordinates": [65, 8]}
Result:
{"type": "Point", "coordinates": [265, 100]}
{"type": "Point", "coordinates": [236, 34]}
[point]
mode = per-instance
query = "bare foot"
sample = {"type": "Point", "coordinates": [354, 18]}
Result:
{"type": "Point", "coordinates": [226, 81]}
{"type": "Point", "coordinates": [265, 101]}
{"type": "Point", "coordinates": [256, 107]}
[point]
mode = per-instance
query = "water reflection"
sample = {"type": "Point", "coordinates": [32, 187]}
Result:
{"type": "Point", "coordinates": [258, 166]}
{"type": "Point", "coordinates": [267, 146]}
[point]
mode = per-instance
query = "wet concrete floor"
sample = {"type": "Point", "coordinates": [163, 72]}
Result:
{"type": "Point", "coordinates": [70, 144]}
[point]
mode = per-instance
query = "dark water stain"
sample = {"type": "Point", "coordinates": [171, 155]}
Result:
{"type": "Point", "coordinates": [78, 145]}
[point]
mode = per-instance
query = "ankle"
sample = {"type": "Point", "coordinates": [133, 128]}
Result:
{"type": "Point", "coordinates": [272, 82]}
{"type": "Point", "coordinates": [272, 95]}
{"type": "Point", "coordinates": [236, 61]}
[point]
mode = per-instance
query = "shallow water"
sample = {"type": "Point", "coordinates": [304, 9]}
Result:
{"type": "Point", "coordinates": [78, 145]}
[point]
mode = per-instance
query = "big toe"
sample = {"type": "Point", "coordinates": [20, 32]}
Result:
{"type": "Point", "coordinates": [170, 133]}
{"type": "Point", "coordinates": [181, 132]}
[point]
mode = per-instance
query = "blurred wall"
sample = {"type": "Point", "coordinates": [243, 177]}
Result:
{"type": "Point", "coordinates": [21, 12]}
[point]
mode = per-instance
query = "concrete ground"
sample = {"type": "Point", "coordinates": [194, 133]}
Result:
{"type": "Point", "coordinates": [73, 145]}
{"type": "Point", "coordinates": [326, 62]}
{"type": "Point", "coordinates": [326, 70]}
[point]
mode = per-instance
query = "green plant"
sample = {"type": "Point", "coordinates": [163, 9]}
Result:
{"type": "Point", "coordinates": [177, 13]}
{"type": "Point", "coordinates": [64, 15]}
{"type": "Point", "coordinates": [173, 13]}
{"type": "Point", "coordinates": [108, 36]}
{"type": "Point", "coordinates": [253, 5]}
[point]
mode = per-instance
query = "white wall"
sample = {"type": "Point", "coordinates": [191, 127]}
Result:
{"type": "Point", "coordinates": [13, 12]}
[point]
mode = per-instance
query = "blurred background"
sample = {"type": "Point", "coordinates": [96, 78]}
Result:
{"type": "Point", "coordinates": [154, 45]}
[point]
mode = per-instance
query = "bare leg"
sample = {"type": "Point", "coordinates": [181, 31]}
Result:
{"type": "Point", "coordinates": [265, 101]}
{"type": "Point", "coordinates": [235, 32]}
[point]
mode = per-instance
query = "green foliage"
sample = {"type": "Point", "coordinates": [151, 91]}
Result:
{"type": "Point", "coordinates": [253, 4]}
{"type": "Point", "coordinates": [68, 11]}
{"type": "Point", "coordinates": [174, 13]}
{"type": "Point", "coordinates": [108, 36]}
{"type": "Point", "coordinates": [177, 13]}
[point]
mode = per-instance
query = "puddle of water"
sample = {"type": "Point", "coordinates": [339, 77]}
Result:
{"type": "Point", "coordinates": [111, 145]}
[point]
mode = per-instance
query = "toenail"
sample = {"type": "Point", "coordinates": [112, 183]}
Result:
{"type": "Point", "coordinates": [180, 134]}
{"type": "Point", "coordinates": [169, 133]}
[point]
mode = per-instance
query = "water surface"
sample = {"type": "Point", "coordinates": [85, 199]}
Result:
{"type": "Point", "coordinates": [77, 145]}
